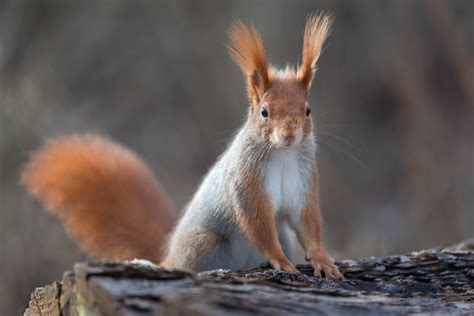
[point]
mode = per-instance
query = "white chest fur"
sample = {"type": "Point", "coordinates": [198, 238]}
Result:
{"type": "Point", "coordinates": [286, 181]}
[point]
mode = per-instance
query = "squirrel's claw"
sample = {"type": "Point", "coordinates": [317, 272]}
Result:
{"type": "Point", "coordinates": [283, 264]}
{"type": "Point", "coordinates": [331, 271]}
{"type": "Point", "coordinates": [321, 261]}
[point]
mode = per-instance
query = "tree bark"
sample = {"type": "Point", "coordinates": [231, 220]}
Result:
{"type": "Point", "coordinates": [429, 281]}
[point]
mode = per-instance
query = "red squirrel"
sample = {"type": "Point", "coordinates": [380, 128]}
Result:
{"type": "Point", "coordinates": [265, 182]}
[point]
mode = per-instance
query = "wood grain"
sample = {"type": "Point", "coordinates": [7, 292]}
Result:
{"type": "Point", "coordinates": [429, 281]}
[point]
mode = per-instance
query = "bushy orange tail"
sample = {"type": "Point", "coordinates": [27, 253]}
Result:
{"type": "Point", "coordinates": [106, 196]}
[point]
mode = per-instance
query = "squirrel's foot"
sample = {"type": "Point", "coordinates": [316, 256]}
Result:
{"type": "Point", "coordinates": [321, 261]}
{"type": "Point", "coordinates": [283, 264]}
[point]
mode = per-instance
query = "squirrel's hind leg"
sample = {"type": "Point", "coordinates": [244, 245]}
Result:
{"type": "Point", "coordinates": [286, 240]}
{"type": "Point", "coordinates": [199, 249]}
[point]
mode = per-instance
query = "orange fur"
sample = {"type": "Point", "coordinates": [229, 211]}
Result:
{"type": "Point", "coordinates": [311, 217]}
{"type": "Point", "coordinates": [248, 52]}
{"type": "Point", "coordinates": [106, 196]}
{"type": "Point", "coordinates": [317, 30]}
{"type": "Point", "coordinates": [286, 101]}
{"type": "Point", "coordinates": [311, 238]}
{"type": "Point", "coordinates": [257, 222]}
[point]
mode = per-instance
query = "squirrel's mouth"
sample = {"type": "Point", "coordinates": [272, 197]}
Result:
{"type": "Point", "coordinates": [287, 140]}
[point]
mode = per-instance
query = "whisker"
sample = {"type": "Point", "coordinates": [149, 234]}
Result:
{"type": "Point", "coordinates": [336, 148]}
{"type": "Point", "coordinates": [341, 139]}
{"type": "Point", "coordinates": [332, 125]}
{"type": "Point", "coordinates": [225, 139]}
{"type": "Point", "coordinates": [232, 133]}
{"type": "Point", "coordinates": [225, 131]}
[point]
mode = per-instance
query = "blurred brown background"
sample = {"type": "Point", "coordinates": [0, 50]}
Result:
{"type": "Point", "coordinates": [393, 100]}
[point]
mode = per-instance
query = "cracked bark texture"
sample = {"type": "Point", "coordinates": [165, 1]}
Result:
{"type": "Point", "coordinates": [434, 281]}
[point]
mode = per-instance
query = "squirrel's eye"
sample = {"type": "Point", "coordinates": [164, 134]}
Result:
{"type": "Point", "coordinates": [264, 111]}
{"type": "Point", "coordinates": [308, 111]}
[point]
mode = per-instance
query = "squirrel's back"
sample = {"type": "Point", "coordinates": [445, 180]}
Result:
{"type": "Point", "coordinates": [105, 195]}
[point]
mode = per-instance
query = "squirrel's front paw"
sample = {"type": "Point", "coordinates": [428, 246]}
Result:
{"type": "Point", "coordinates": [321, 261]}
{"type": "Point", "coordinates": [283, 264]}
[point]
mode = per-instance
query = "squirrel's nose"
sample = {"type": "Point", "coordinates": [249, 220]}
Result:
{"type": "Point", "coordinates": [291, 125]}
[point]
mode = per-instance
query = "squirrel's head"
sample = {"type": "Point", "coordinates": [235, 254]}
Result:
{"type": "Point", "coordinates": [279, 108]}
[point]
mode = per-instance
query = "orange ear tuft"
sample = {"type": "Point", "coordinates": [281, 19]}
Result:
{"type": "Point", "coordinates": [317, 30]}
{"type": "Point", "coordinates": [246, 48]}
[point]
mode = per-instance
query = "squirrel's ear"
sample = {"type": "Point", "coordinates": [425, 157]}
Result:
{"type": "Point", "coordinates": [317, 30]}
{"type": "Point", "coordinates": [246, 48]}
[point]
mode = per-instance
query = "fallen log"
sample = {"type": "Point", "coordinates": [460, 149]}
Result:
{"type": "Point", "coordinates": [434, 281]}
